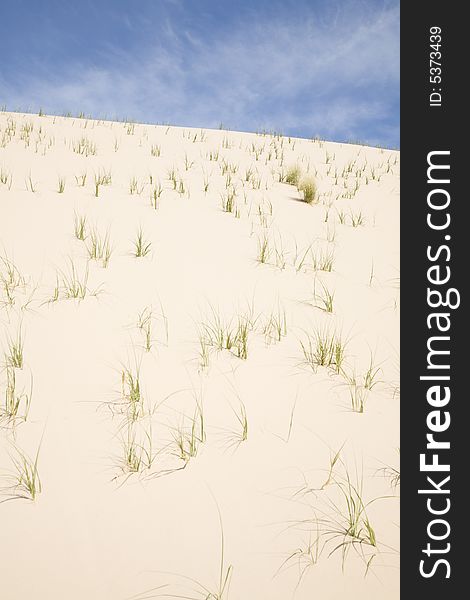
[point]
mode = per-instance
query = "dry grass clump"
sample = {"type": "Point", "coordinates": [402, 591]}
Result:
{"type": "Point", "coordinates": [307, 185]}
{"type": "Point", "coordinates": [293, 175]}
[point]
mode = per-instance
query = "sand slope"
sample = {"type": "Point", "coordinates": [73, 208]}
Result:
{"type": "Point", "coordinates": [178, 385]}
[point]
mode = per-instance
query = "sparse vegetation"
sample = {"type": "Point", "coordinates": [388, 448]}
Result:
{"type": "Point", "coordinates": [221, 217]}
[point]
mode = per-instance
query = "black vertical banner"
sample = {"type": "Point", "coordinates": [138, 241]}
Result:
{"type": "Point", "coordinates": [435, 238]}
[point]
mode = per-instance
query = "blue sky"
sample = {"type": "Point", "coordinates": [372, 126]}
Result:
{"type": "Point", "coordinates": [304, 67]}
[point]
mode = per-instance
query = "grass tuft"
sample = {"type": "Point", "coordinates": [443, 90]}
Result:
{"type": "Point", "coordinates": [141, 245]}
{"type": "Point", "coordinates": [14, 357]}
{"type": "Point", "coordinates": [5, 177]}
{"type": "Point", "coordinates": [81, 179]}
{"type": "Point", "coordinates": [155, 195]}
{"type": "Point", "coordinates": [324, 300]}
{"type": "Point", "coordinates": [229, 201]}
{"type": "Point", "coordinates": [99, 247]}
{"type": "Point", "coordinates": [16, 404]}
{"type": "Point", "coordinates": [73, 285]}
{"type": "Point", "coordinates": [131, 395]}
{"type": "Point", "coordinates": [138, 454]}
{"type": "Point", "coordinates": [293, 174]}
{"type": "Point", "coordinates": [26, 483]}
{"type": "Point", "coordinates": [324, 348]}
{"type": "Point", "coordinates": [84, 146]}
{"type": "Point", "coordinates": [308, 187]}
{"type": "Point", "coordinates": [275, 326]}
{"type": "Point", "coordinates": [79, 227]}
{"type": "Point", "coordinates": [357, 393]}
{"type": "Point", "coordinates": [144, 324]}
{"type": "Point", "coordinates": [155, 150]}
{"type": "Point", "coordinates": [264, 250]}
{"type": "Point", "coordinates": [11, 280]}
{"type": "Point", "coordinates": [218, 334]}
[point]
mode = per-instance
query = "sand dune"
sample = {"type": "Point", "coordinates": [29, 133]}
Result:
{"type": "Point", "coordinates": [212, 343]}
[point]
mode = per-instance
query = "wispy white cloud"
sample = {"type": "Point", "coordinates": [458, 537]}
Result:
{"type": "Point", "coordinates": [297, 75]}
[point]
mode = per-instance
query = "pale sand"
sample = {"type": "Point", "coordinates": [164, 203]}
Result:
{"type": "Point", "coordinates": [89, 536]}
